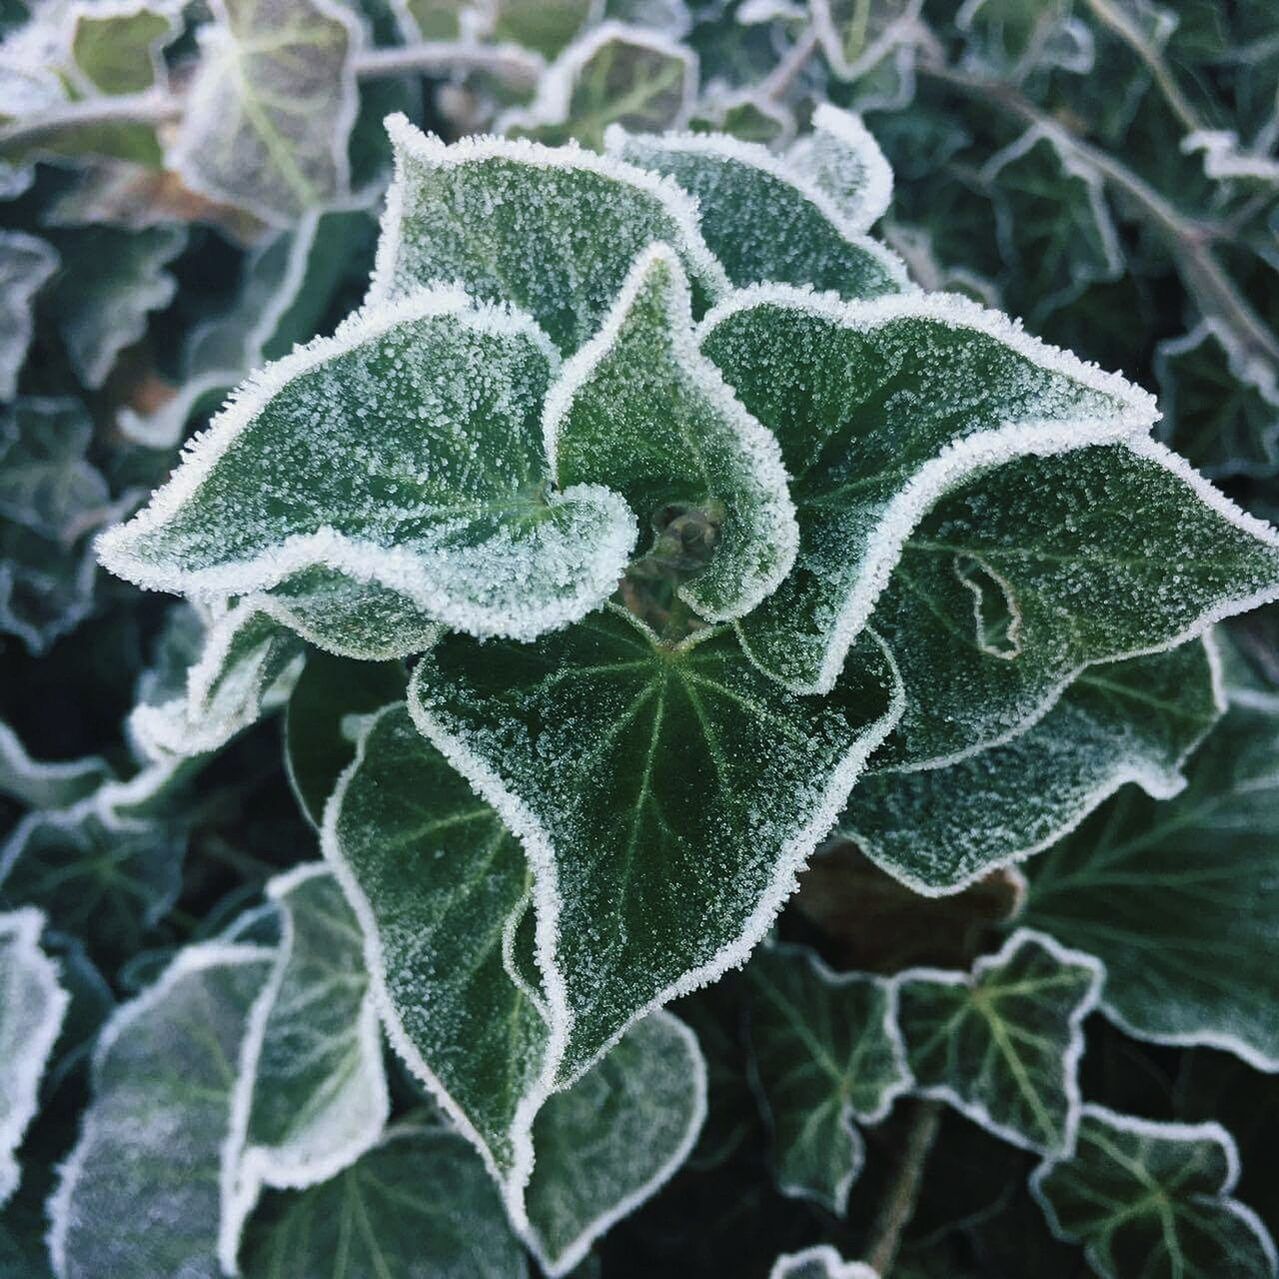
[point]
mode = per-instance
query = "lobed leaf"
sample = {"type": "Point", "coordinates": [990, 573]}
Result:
{"type": "Point", "coordinates": [1002, 1046]}
{"type": "Point", "coordinates": [826, 1052]}
{"type": "Point", "coordinates": [858, 34]}
{"type": "Point", "coordinates": [819, 1262]}
{"type": "Point", "coordinates": [120, 48]}
{"type": "Point", "coordinates": [37, 784]}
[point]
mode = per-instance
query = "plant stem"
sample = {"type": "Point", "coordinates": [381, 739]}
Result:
{"type": "Point", "coordinates": [151, 107]}
{"type": "Point", "coordinates": [516, 66]}
{"type": "Point", "coordinates": [783, 74]}
{"type": "Point", "coordinates": [903, 1194]}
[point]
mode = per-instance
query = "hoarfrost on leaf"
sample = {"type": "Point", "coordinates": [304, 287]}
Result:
{"type": "Point", "coordinates": [26, 263]}
{"type": "Point", "coordinates": [819, 1262]}
{"type": "Point", "coordinates": [841, 158]}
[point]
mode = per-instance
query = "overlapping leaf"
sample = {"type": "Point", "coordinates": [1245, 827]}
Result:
{"type": "Point", "coordinates": [25, 264]}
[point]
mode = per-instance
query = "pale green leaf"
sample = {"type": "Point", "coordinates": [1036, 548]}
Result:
{"type": "Point", "coordinates": [543, 25]}
{"type": "Point", "coordinates": [1135, 721]}
{"type": "Point", "coordinates": [553, 231]}
{"type": "Point", "coordinates": [880, 408]}
{"type": "Point", "coordinates": [856, 35]}
{"type": "Point", "coordinates": [1002, 1046]}
{"type": "Point", "coordinates": [640, 410]}
{"type": "Point", "coordinates": [311, 1096]}
{"type": "Point", "coordinates": [426, 492]}
{"type": "Point", "coordinates": [612, 1140]}
{"type": "Point", "coordinates": [32, 1006]}
{"type": "Point", "coordinates": [1180, 900]}
{"type": "Point", "coordinates": [843, 160]}
{"type": "Point", "coordinates": [826, 1052]}
{"type": "Point", "coordinates": [819, 1262]}
{"type": "Point", "coordinates": [1154, 1199]}
{"type": "Point", "coordinates": [267, 119]}
{"type": "Point", "coordinates": [764, 219]}
{"type": "Point", "coordinates": [26, 263]}
{"type": "Point", "coordinates": [139, 1193]}
{"type": "Point", "coordinates": [665, 797]}
{"type": "Point", "coordinates": [417, 1206]}
{"type": "Point", "coordinates": [119, 48]}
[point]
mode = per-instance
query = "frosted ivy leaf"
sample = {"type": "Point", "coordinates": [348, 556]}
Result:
{"type": "Point", "coordinates": [119, 48]}
{"type": "Point", "coordinates": [743, 113]}
{"type": "Point", "coordinates": [311, 1097]}
{"type": "Point", "coordinates": [111, 280]}
{"type": "Point", "coordinates": [857, 34]}
{"type": "Point", "coordinates": [1221, 408]}
{"type": "Point", "coordinates": [319, 732]}
{"type": "Point", "coordinates": [820, 1262]}
{"type": "Point", "coordinates": [430, 20]}
{"type": "Point", "coordinates": [441, 891]}
{"type": "Point", "coordinates": [552, 230]}
{"type": "Point", "coordinates": [1154, 1199]}
{"type": "Point", "coordinates": [427, 1211]}
{"type": "Point", "coordinates": [612, 1140]}
{"type": "Point", "coordinates": [546, 26]}
{"type": "Point", "coordinates": [764, 219]}
{"type": "Point", "coordinates": [285, 289]}
{"type": "Point", "coordinates": [26, 263]}
{"type": "Point", "coordinates": [881, 407]}
{"type": "Point", "coordinates": [425, 490]}
{"type": "Point", "coordinates": [843, 160]}
{"type": "Point", "coordinates": [1003, 1045]}
{"type": "Point", "coordinates": [32, 1007]}
{"type": "Point", "coordinates": [1180, 899]}
{"type": "Point", "coordinates": [940, 829]}
{"type": "Point", "coordinates": [614, 74]}
{"type": "Point", "coordinates": [641, 411]}
{"type": "Point", "coordinates": [37, 784]}
{"type": "Point", "coordinates": [139, 1192]}
{"type": "Point", "coordinates": [826, 1052]}
{"type": "Point", "coordinates": [665, 797]}
{"type": "Point", "coordinates": [247, 667]}
{"type": "Point", "coordinates": [1028, 574]}
{"type": "Point", "coordinates": [270, 111]}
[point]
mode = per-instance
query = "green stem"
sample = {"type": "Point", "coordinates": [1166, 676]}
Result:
{"type": "Point", "coordinates": [899, 1204]}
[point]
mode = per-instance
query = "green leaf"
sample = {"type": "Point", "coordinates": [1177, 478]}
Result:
{"type": "Point", "coordinates": [319, 743]}
{"type": "Point", "coordinates": [110, 280]}
{"type": "Point", "coordinates": [247, 667]}
{"type": "Point", "coordinates": [880, 408]}
{"type": "Point", "coordinates": [1094, 556]}
{"type": "Point", "coordinates": [267, 118]}
{"type": "Point", "coordinates": [842, 159]}
{"type": "Point", "coordinates": [26, 263]}
{"type": "Point", "coordinates": [311, 1097]}
{"type": "Point", "coordinates": [139, 1193]}
{"type": "Point", "coordinates": [553, 231]}
{"type": "Point", "coordinates": [120, 50]}
{"type": "Point", "coordinates": [1180, 900]}
{"type": "Point", "coordinates": [32, 1006]}
{"type": "Point", "coordinates": [826, 1052]}
{"type": "Point", "coordinates": [819, 1262]}
{"type": "Point", "coordinates": [614, 74]}
{"type": "Point", "coordinates": [665, 797]}
{"type": "Point", "coordinates": [763, 219]}
{"type": "Point", "coordinates": [640, 410]}
{"type": "Point", "coordinates": [856, 35]}
{"type": "Point", "coordinates": [938, 830]}
{"type": "Point", "coordinates": [1154, 1199]}
{"type": "Point", "coordinates": [613, 1139]}
{"type": "Point", "coordinates": [441, 889]}
{"type": "Point", "coordinates": [454, 524]}
{"type": "Point", "coordinates": [545, 26]}
{"type": "Point", "coordinates": [46, 785]}
{"type": "Point", "coordinates": [425, 1210]}
{"type": "Point", "coordinates": [1002, 1046]}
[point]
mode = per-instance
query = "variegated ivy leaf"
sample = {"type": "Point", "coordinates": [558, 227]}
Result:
{"type": "Point", "coordinates": [425, 496]}
{"type": "Point", "coordinates": [247, 666]}
{"type": "Point", "coordinates": [426, 1210]}
{"type": "Point", "coordinates": [641, 411]}
{"type": "Point", "coordinates": [311, 1096]}
{"type": "Point", "coordinates": [820, 1262]}
{"type": "Point", "coordinates": [1003, 1045]}
{"type": "Point", "coordinates": [269, 114]}
{"type": "Point", "coordinates": [614, 74]}
{"type": "Point", "coordinates": [764, 219]}
{"type": "Point", "coordinates": [25, 264]}
{"type": "Point", "coordinates": [826, 1052]}
{"type": "Point", "coordinates": [1180, 900]}
{"type": "Point", "coordinates": [36, 784]}
{"type": "Point", "coordinates": [1026, 575]}
{"type": "Point", "coordinates": [842, 159]}
{"type": "Point", "coordinates": [32, 1006]}
{"type": "Point", "coordinates": [505, 219]}
{"type": "Point", "coordinates": [665, 797]}
{"type": "Point", "coordinates": [940, 829]}
{"type": "Point", "coordinates": [139, 1194]}
{"type": "Point", "coordinates": [856, 35]}
{"type": "Point", "coordinates": [111, 280]}
{"type": "Point", "coordinates": [1154, 1199]}
{"type": "Point", "coordinates": [613, 1139]}
{"type": "Point", "coordinates": [881, 407]}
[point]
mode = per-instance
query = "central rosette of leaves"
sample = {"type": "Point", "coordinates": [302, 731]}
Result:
{"type": "Point", "coordinates": [874, 523]}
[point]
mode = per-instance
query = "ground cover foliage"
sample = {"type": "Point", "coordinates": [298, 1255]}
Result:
{"type": "Point", "coordinates": [578, 698]}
